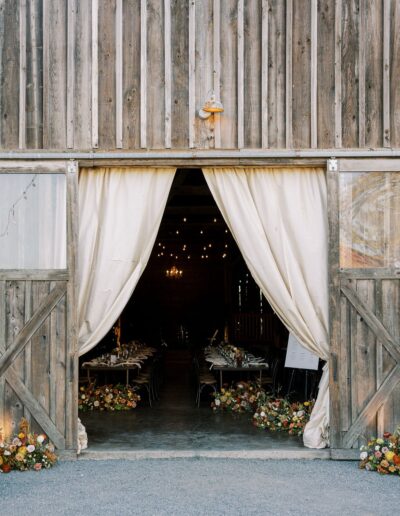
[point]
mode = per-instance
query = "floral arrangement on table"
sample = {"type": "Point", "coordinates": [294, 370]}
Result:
{"type": "Point", "coordinates": [233, 355]}
{"type": "Point", "coordinates": [281, 415]}
{"type": "Point", "coordinates": [132, 353]}
{"type": "Point", "coordinates": [26, 451]}
{"type": "Point", "coordinates": [107, 397]}
{"type": "Point", "coordinates": [382, 454]}
{"type": "Point", "coordinates": [243, 397]}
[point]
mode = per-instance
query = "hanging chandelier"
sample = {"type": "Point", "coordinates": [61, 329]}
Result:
{"type": "Point", "coordinates": [174, 273]}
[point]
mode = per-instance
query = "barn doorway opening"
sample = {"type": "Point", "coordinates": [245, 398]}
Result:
{"type": "Point", "coordinates": [195, 291]}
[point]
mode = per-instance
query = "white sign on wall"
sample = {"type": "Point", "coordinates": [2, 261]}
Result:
{"type": "Point", "coordinates": [298, 357]}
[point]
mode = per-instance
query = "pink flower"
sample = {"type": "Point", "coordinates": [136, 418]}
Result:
{"type": "Point", "coordinates": [37, 466]}
{"type": "Point", "coordinates": [378, 454]}
{"type": "Point", "coordinates": [30, 448]}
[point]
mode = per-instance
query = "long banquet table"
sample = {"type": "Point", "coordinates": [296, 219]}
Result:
{"type": "Point", "coordinates": [137, 356]}
{"type": "Point", "coordinates": [260, 368]}
{"type": "Point", "coordinates": [222, 364]}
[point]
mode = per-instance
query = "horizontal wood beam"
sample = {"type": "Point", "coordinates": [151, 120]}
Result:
{"type": "Point", "coordinates": [18, 165]}
{"type": "Point", "coordinates": [200, 154]}
{"type": "Point", "coordinates": [38, 318]}
{"type": "Point", "coordinates": [34, 275]}
{"type": "Point", "coordinates": [356, 274]}
{"type": "Point", "coordinates": [381, 165]}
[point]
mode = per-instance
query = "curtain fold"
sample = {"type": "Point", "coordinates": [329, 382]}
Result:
{"type": "Point", "coordinates": [278, 217]}
{"type": "Point", "coordinates": [120, 213]}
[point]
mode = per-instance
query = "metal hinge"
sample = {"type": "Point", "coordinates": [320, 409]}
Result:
{"type": "Point", "coordinates": [72, 166]}
{"type": "Point", "coordinates": [332, 165]}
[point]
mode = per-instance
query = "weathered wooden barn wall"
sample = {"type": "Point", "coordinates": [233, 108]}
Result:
{"type": "Point", "coordinates": [132, 74]}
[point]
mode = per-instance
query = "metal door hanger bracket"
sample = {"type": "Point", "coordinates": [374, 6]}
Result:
{"type": "Point", "coordinates": [332, 165]}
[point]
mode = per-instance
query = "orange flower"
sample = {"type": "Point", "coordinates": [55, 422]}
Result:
{"type": "Point", "coordinates": [396, 460]}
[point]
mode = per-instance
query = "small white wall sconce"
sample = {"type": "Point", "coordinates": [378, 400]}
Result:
{"type": "Point", "coordinates": [211, 105]}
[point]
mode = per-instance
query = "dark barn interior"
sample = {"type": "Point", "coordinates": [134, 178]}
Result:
{"type": "Point", "coordinates": [195, 284]}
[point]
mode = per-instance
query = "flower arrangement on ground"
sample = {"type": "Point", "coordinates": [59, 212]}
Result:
{"type": "Point", "coordinates": [281, 415]}
{"type": "Point", "coordinates": [269, 412]}
{"type": "Point", "coordinates": [26, 451]}
{"type": "Point", "coordinates": [242, 397]}
{"type": "Point", "coordinates": [107, 397]}
{"type": "Point", "coordinates": [382, 454]}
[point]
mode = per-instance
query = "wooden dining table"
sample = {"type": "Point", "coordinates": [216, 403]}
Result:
{"type": "Point", "coordinates": [110, 368]}
{"type": "Point", "coordinates": [227, 368]}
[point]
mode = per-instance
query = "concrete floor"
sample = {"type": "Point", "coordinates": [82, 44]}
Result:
{"type": "Point", "coordinates": [175, 423]}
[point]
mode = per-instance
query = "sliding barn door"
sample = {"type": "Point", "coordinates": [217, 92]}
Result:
{"type": "Point", "coordinates": [38, 349]}
{"type": "Point", "coordinates": [364, 215]}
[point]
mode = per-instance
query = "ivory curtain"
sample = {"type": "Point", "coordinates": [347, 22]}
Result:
{"type": "Point", "coordinates": [120, 213]}
{"type": "Point", "coordinates": [278, 217]}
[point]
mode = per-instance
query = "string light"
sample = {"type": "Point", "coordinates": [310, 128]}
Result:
{"type": "Point", "coordinates": [11, 211]}
{"type": "Point", "coordinates": [209, 245]}
{"type": "Point", "coordinates": [184, 219]}
{"type": "Point", "coordinates": [201, 231]}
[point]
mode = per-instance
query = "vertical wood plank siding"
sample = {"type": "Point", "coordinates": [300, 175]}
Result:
{"type": "Point", "coordinates": [71, 26]}
{"type": "Point", "coordinates": [143, 73]}
{"type": "Point", "coordinates": [240, 75]}
{"type": "Point", "coordinates": [119, 74]}
{"type": "Point", "coordinates": [133, 74]}
{"type": "Point", "coordinates": [107, 74]}
{"type": "Point", "coordinates": [22, 74]}
{"type": "Point", "coordinates": [289, 72]}
{"type": "Point", "coordinates": [217, 67]}
{"type": "Point", "coordinates": [167, 72]}
{"type": "Point", "coordinates": [394, 72]}
{"type": "Point", "coordinates": [264, 73]}
{"type": "Point", "coordinates": [192, 68]}
{"type": "Point", "coordinates": [95, 73]}
{"type": "Point", "coordinates": [34, 97]}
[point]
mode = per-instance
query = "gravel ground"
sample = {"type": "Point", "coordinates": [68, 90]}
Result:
{"type": "Point", "coordinates": [199, 487]}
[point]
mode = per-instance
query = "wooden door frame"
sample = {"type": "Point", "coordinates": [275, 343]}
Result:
{"type": "Point", "coordinates": [339, 284]}
{"type": "Point", "coordinates": [67, 287]}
